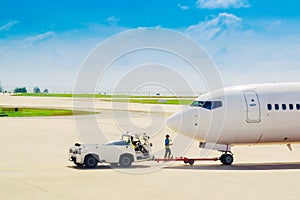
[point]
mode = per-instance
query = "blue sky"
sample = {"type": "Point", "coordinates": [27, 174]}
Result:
{"type": "Point", "coordinates": [43, 43]}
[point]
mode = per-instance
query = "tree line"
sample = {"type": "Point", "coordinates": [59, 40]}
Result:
{"type": "Point", "coordinates": [24, 90]}
{"type": "Point", "coordinates": [35, 90]}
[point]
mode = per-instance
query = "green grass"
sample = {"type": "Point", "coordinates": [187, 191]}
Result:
{"type": "Point", "coordinates": [34, 112]}
{"type": "Point", "coordinates": [156, 101]}
{"type": "Point", "coordinates": [64, 95]}
{"type": "Point", "coordinates": [123, 98]}
{"type": "Point", "coordinates": [91, 95]}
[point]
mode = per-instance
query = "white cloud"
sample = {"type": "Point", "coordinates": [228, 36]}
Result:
{"type": "Point", "coordinates": [224, 4]}
{"type": "Point", "coordinates": [277, 22]}
{"type": "Point", "coordinates": [112, 20]}
{"type": "Point", "coordinates": [210, 29]}
{"type": "Point", "coordinates": [39, 37]}
{"type": "Point", "coordinates": [183, 7]}
{"type": "Point", "coordinates": [7, 27]}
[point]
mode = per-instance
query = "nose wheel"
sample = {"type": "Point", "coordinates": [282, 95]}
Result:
{"type": "Point", "coordinates": [226, 159]}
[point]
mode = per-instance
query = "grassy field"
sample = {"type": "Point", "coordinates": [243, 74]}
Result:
{"type": "Point", "coordinates": [156, 101]}
{"type": "Point", "coordinates": [123, 98]}
{"type": "Point", "coordinates": [34, 112]}
{"type": "Point", "coordinates": [92, 95]}
{"type": "Point", "coordinates": [64, 95]}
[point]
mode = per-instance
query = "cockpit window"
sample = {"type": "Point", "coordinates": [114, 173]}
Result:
{"type": "Point", "coordinates": [210, 105]}
{"type": "Point", "coordinates": [197, 103]}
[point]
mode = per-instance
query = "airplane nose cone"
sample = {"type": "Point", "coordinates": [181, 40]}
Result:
{"type": "Point", "coordinates": [181, 121]}
{"type": "Point", "coordinates": [174, 121]}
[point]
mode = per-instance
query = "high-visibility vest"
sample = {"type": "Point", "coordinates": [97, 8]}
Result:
{"type": "Point", "coordinates": [167, 143]}
{"type": "Point", "coordinates": [134, 146]}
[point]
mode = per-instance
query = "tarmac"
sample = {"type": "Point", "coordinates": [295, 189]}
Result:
{"type": "Point", "coordinates": [34, 159]}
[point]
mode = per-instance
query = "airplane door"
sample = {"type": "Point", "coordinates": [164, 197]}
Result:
{"type": "Point", "coordinates": [252, 107]}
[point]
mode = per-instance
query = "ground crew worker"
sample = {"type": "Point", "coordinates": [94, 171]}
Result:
{"type": "Point", "coordinates": [134, 144]}
{"type": "Point", "coordinates": [168, 142]}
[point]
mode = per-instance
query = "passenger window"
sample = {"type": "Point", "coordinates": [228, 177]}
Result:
{"type": "Point", "coordinates": [276, 107]}
{"type": "Point", "coordinates": [269, 106]}
{"type": "Point", "coordinates": [298, 106]}
{"type": "Point", "coordinates": [291, 106]}
{"type": "Point", "coordinates": [283, 107]}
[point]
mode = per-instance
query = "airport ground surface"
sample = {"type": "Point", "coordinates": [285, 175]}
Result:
{"type": "Point", "coordinates": [34, 164]}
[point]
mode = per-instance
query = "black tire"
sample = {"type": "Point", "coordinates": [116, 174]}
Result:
{"type": "Point", "coordinates": [226, 159]}
{"type": "Point", "coordinates": [125, 161]}
{"type": "Point", "coordinates": [222, 158]}
{"type": "Point", "coordinates": [90, 161]}
{"type": "Point", "coordinates": [185, 161]}
{"type": "Point", "coordinates": [191, 161]}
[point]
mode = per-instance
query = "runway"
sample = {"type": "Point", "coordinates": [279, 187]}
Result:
{"type": "Point", "coordinates": [34, 161]}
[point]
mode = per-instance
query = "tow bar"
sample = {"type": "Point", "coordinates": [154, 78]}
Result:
{"type": "Point", "coordinates": [186, 160]}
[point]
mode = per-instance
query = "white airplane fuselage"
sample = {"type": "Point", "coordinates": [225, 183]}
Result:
{"type": "Point", "coordinates": [246, 114]}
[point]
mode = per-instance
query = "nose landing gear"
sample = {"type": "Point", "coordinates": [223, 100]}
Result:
{"type": "Point", "coordinates": [226, 159]}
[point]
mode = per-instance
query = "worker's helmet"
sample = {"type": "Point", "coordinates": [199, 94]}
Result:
{"type": "Point", "coordinates": [167, 135]}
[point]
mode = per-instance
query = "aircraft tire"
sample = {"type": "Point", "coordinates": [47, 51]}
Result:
{"type": "Point", "coordinates": [226, 159]}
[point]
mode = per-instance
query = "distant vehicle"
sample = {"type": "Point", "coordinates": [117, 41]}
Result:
{"type": "Point", "coordinates": [252, 114]}
{"type": "Point", "coordinates": [131, 148]}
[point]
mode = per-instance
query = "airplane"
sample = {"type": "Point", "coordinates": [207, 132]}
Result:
{"type": "Point", "coordinates": [244, 114]}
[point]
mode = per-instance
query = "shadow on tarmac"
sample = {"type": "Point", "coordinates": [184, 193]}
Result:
{"type": "Point", "coordinates": [108, 167]}
{"type": "Point", "coordinates": [242, 166]}
{"type": "Point", "coordinates": [213, 167]}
